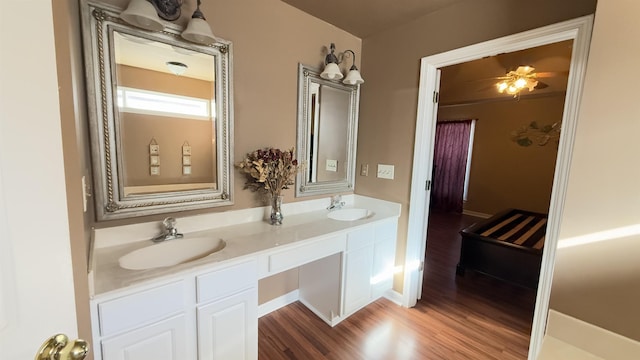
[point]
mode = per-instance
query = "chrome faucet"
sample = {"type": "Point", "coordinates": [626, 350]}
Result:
{"type": "Point", "coordinates": [336, 203]}
{"type": "Point", "coordinates": [170, 231]}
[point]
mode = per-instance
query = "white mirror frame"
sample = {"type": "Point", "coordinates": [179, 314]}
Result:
{"type": "Point", "coordinates": [306, 76]}
{"type": "Point", "coordinates": [99, 21]}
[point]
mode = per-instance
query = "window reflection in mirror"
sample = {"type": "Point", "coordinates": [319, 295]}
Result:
{"type": "Point", "coordinates": [170, 105]}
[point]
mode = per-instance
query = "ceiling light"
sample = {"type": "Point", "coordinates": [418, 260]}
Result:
{"type": "Point", "coordinates": [177, 68]}
{"type": "Point", "coordinates": [332, 70]}
{"type": "Point", "coordinates": [146, 14]}
{"type": "Point", "coordinates": [517, 80]}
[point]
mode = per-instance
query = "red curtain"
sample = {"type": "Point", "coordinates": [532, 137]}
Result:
{"type": "Point", "coordinates": [450, 162]}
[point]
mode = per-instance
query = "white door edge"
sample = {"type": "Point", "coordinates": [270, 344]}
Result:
{"type": "Point", "coordinates": [578, 30]}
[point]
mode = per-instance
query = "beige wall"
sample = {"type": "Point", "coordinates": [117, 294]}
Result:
{"type": "Point", "coordinates": [170, 134]}
{"type": "Point", "coordinates": [390, 65]}
{"type": "Point", "coordinates": [74, 127]}
{"type": "Point", "coordinates": [600, 282]}
{"type": "Point", "coordinates": [504, 174]}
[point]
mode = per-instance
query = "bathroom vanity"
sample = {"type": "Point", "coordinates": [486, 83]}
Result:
{"type": "Point", "coordinates": [206, 306]}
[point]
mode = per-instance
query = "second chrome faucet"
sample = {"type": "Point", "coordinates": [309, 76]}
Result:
{"type": "Point", "coordinates": [170, 231]}
{"type": "Point", "coordinates": [336, 203]}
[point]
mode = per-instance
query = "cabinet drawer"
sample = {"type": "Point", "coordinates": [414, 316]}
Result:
{"type": "Point", "coordinates": [300, 255]}
{"type": "Point", "coordinates": [359, 238]}
{"type": "Point", "coordinates": [227, 281]}
{"type": "Point", "coordinates": [141, 308]}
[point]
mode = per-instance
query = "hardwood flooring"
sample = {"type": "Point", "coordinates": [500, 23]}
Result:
{"type": "Point", "coordinates": [471, 317]}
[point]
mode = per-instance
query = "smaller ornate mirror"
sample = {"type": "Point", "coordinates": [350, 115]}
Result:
{"type": "Point", "coordinates": [327, 128]}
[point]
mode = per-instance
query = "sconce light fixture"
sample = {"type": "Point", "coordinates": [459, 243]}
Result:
{"type": "Point", "coordinates": [332, 70]}
{"type": "Point", "coordinates": [147, 14]}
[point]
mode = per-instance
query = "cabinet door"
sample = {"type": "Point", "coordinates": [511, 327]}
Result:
{"type": "Point", "coordinates": [164, 340]}
{"type": "Point", "coordinates": [228, 328]}
{"type": "Point", "coordinates": [357, 281]}
{"type": "Point", "coordinates": [384, 257]}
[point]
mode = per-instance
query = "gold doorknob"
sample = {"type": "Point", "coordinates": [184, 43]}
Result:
{"type": "Point", "coordinates": [58, 347]}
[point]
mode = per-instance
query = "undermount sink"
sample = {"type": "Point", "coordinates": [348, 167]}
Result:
{"type": "Point", "coordinates": [349, 214]}
{"type": "Point", "coordinates": [171, 252]}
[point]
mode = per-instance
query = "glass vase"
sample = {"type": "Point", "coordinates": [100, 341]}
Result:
{"type": "Point", "coordinates": [276, 210]}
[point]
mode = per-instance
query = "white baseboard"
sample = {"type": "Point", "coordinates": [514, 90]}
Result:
{"type": "Point", "coordinates": [331, 322]}
{"type": "Point", "coordinates": [476, 214]}
{"type": "Point", "coordinates": [394, 297]}
{"type": "Point", "coordinates": [293, 296]}
{"type": "Point", "coordinates": [590, 338]}
{"type": "Point", "coordinates": [279, 302]}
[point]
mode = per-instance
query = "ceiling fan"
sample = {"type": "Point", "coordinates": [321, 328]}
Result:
{"type": "Point", "coordinates": [519, 79]}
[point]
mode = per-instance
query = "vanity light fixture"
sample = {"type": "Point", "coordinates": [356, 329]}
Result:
{"type": "Point", "coordinates": [147, 14]}
{"type": "Point", "coordinates": [177, 68]}
{"type": "Point", "coordinates": [332, 70]}
{"type": "Point", "coordinates": [142, 14]}
{"type": "Point", "coordinates": [198, 30]}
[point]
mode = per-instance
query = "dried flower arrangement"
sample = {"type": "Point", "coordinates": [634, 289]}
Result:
{"type": "Point", "coordinates": [269, 170]}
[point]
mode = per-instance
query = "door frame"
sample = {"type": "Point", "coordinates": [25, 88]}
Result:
{"type": "Point", "coordinates": [578, 30]}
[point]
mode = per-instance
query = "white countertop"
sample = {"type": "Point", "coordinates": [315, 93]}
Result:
{"type": "Point", "coordinates": [244, 231]}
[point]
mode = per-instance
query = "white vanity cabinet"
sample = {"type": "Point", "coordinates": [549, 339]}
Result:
{"type": "Point", "coordinates": [358, 262]}
{"type": "Point", "coordinates": [208, 309]}
{"type": "Point", "coordinates": [384, 257]}
{"type": "Point", "coordinates": [368, 264]}
{"type": "Point", "coordinates": [204, 316]}
{"type": "Point", "coordinates": [164, 340]}
{"type": "Point", "coordinates": [227, 313]}
{"type": "Point", "coordinates": [148, 324]}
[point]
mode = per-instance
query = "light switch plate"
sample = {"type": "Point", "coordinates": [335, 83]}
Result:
{"type": "Point", "coordinates": [364, 170]}
{"type": "Point", "coordinates": [386, 171]}
{"type": "Point", "coordinates": [332, 165]}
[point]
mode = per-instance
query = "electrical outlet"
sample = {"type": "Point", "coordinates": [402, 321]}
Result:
{"type": "Point", "coordinates": [386, 171]}
{"type": "Point", "coordinates": [364, 170]}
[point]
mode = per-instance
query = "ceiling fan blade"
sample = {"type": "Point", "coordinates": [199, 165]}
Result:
{"type": "Point", "coordinates": [541, 85]}
{"type": "Point", "coordinates": [549, 74]}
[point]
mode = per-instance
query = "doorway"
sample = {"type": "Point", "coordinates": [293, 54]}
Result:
{"type": "Point", "coordinates": [509, 168]}
{"type": "Point", "coordinates": [579, 31]}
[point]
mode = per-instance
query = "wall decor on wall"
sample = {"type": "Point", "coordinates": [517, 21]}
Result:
{"type": "Point", "coordinates": [535, 133]}
{"type": "Point", "coordinates": [154, 157]}
{"type": "Point", "coordinates": [186, 158]}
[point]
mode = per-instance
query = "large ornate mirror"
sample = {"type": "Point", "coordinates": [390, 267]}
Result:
{"type": "Point", "coordinates": [327, 128]}
{"type": "Point", "coordinates": [160, 114]}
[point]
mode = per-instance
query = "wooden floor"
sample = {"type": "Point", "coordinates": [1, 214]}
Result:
{"type": "Point", "coordinates": [474, 317]}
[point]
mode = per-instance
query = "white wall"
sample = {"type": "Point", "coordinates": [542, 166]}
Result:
{"type": "Point", "coordinates": [36, 290]}
{"type": "Point", "coordinates": [600, 282]}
